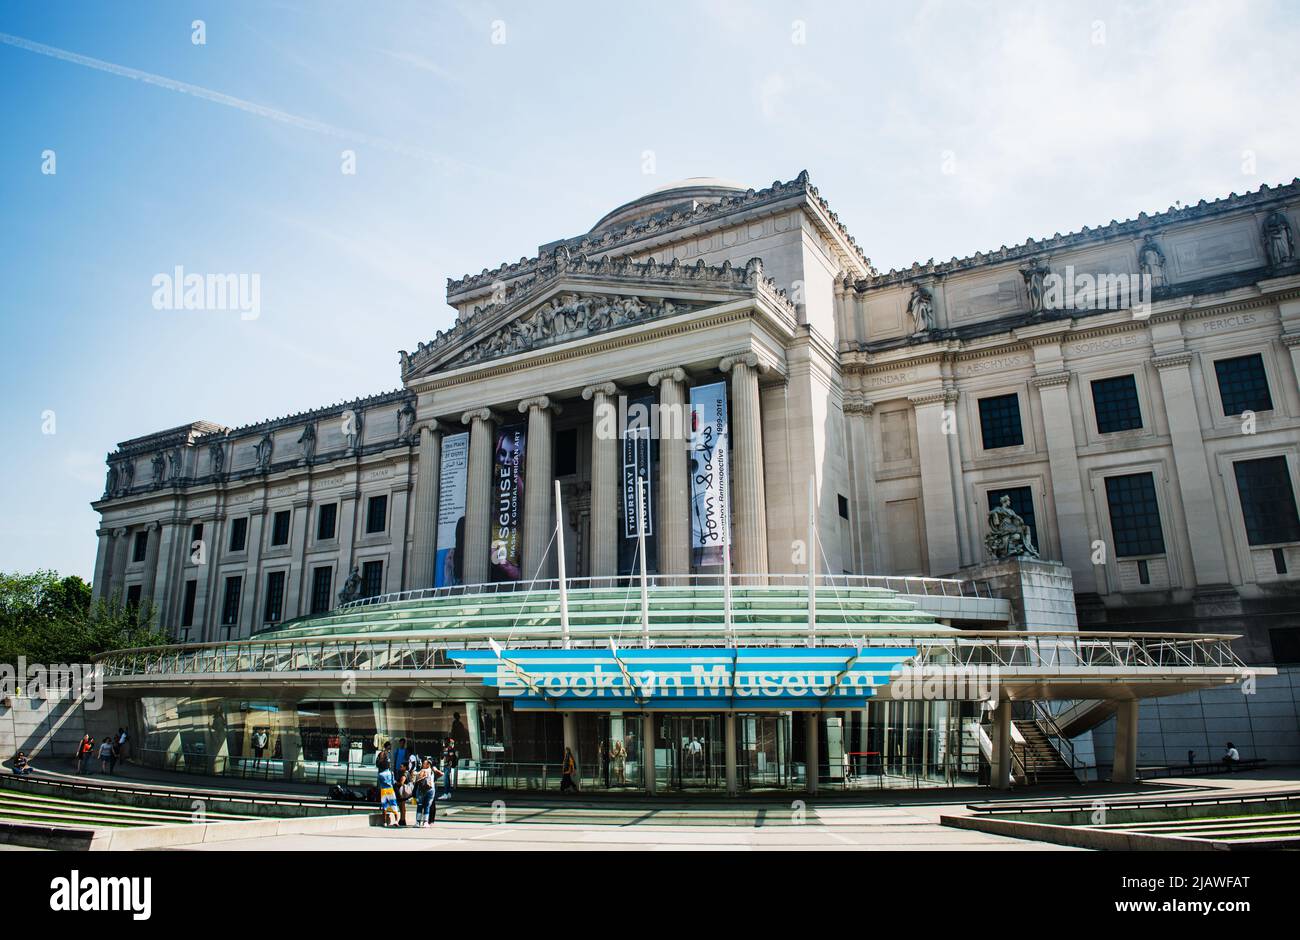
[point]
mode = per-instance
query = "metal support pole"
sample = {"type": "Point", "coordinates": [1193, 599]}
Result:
{"type": "Point", "coordinates": [640, 553]}
{"type": "Point", "coordinates": [812, 560]}
{"type": "Point", "coordinates": [564, 583]}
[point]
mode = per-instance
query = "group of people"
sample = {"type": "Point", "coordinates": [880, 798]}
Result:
{"type": "Point", "coordinates": [110, 750]}
{"type": "Point", "coordinates": [613, 762]}
{"type": "Point", "coordinates": [405, 775]}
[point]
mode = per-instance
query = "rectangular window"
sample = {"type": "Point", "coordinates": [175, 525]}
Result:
{"type": "Point", "coordinates": [372, 579]}
{"type": "Point", "coordinates": [196, 534]}
{"type": "Point", "coordinates": [238, 533]}
{"type": "Point", "coordinates": [1134, 515]}
{"type": "Point", "coordinates": [1267, 501]}
{"type": "Point", "coordinates": [566, 452]}
{"type": "Point", "coordinates": [187, 606]}
{"type": "Point", "coordinates": [376, 514]}
{"type": "Point", "coordinates": [280, 527]}
{"type": "Point", "coordinates": [1000, 421]}
{"type": "Point", "coordinates": [1279, 561]}
{"type": "Point", "coordinates": [140, 548]}
{"type": "Point", "coordinates": [1144, 571]}
{"type": "Point", "coordinates": [1022, 502]}
{"type": "Point", "coordinates": [1116, 403]}
{"type": "Point", "coordinates": [321, 582]}
{"type": "Point", "coordinates": [133, 596]}
{"type": "Point", "coordinates": [230, 603]}
{"type": "Point", "coordinates": [1243, 384]}
{"type": "Point", "coordinates": [274, 610]}
{"type": "Point", "coordinates": [843, 505]}
{"type": "Point", "coordinates": [326, 521]}
{"type": "Point", "coordinates": [1286, 645]}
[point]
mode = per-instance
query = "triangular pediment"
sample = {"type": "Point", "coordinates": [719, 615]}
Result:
{"type": "Point", "coordinates": [576, 298]}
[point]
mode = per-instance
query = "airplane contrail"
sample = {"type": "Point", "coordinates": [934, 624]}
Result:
{"type": "Point", "coordinates": [229, 101]}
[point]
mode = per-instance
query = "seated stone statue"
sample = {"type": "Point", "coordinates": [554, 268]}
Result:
{"type": "Point", "coordinates": [1008, 534]}
{"type": "Point", "coordinates": [351, 587]}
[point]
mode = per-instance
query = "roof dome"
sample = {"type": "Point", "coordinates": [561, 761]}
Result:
{"type": "Point", "coordinates": [689, 193]}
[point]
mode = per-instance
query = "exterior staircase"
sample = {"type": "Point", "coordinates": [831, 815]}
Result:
{"type": "Point", "coordinates": [1041, 762]}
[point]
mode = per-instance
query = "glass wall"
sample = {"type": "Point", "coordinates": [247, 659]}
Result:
{"type": "Point", "coordinates": [888, 744]}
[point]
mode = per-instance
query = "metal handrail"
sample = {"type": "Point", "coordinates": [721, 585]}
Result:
{"type": "Point", "coordinates": [938, 649]}
{"type": "Point", "coordinates": [901, 584]}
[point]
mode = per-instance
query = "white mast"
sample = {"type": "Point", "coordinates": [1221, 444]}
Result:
{"type": "Point", "coordinates": [564, 584]}
{"type": "Point", "coordinates": [812, 560]}
{"type": "Point", "coordinates": [640, 552]}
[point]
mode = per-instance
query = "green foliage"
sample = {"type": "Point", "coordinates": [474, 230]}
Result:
{"type": "Point", "coordinates": [49, 619]}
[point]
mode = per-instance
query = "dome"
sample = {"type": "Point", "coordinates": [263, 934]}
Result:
{"type": "Point", "coordinates": [688, 193]}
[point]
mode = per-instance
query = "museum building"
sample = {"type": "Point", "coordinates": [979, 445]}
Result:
{"type": "Point", "coordinates": [785, 412]}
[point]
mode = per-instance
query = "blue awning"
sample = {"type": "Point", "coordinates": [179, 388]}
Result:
{"type": "Point", "coordinates": [683, 678]}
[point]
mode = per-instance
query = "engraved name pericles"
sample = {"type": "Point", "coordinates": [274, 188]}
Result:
{"type": "Point", "coordinates": [1227, 323]}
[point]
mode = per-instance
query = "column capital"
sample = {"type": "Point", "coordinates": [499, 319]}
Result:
{"type": "Point", "coordinates": [432, 425]}
{"type": "Point", "coordinates": [480, 414]}
{"type": "Point", "coordinates": [936, 397]}
{"type": "Point", "coordinates": [602, 388]}
{"type": "Point", "coordinates": [741, 359]}
{"type": "Point", "coordinates": [541, 402]}
{"type": "Point", "coordinates": [858, 404]}
{"type": "Point", "coordinates": [1173, 361]}
{"type": "Point", "coordinates": [673, 373]}
{"type": "Point", "coordinates": [1291, 340]}
{"type": "Point", "coordinates": [1050, 381]}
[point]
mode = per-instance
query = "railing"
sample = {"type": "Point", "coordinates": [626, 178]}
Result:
{"type": "Point", "coordinates": [1037, 653]}
{"type": "Point", "coordinates": [929, 587]}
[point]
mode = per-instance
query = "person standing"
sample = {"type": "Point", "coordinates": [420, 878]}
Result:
{"type": "Point", "coordinates": [426, 806]}
{"type": "Point", "coordinates": [604, 761]}
{"type": "Point", "coordinates": [123, 742]}
{"type": "Point", "coordinates": [83, 753]}
{"type": "Point", "coordinates": [106, 755]}
{"type": "Point", "coordinates": [620, 759]}
{"type": "Point", "coordinates": [387, 797]}
{"type": "Point", "coordinates": [567, 769]}
{"type": "Point", "coordinates": [450, 761]}
{"type": "Point", "coordinates": [400, 755]}
{"type": "Point", "coordinates": [404, 787]}
{"type": "Point", "coordinates": [381, 759]}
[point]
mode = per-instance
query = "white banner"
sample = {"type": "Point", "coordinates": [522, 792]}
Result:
{"type": "Point", "coordinates": [451, 507]}
{"type": "Point", "coordinates": [710, 473]}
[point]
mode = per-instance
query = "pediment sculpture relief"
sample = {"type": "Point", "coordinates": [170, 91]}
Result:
{"type": "Point", "coordinates": [566, 316]}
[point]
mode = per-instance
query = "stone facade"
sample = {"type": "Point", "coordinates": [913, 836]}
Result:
{"type": "Point", "coordinates": [869, 383]}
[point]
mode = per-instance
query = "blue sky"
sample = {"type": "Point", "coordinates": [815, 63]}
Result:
{"type": "Point", "coordinates": [472, 151]}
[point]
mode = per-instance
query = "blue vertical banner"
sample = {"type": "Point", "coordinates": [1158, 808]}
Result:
{"type": "Point", "coordinates": [451, 510]}
{"type": "Point", "coordinates": [507, 544]}
{"type": "Point", "coordinates": [710, 471]}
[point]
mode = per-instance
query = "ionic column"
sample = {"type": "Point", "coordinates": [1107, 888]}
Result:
{"type": "Point", "coordinates": [424, 552]}
{"type": "Point", "coordinates": [103, 564]}
{"type": "Point", "coordinates": [539, 477]}
{"type": "Point", "coordinates": [674, 500]}
{"type": "Point", "coordinates": [121, 542]}
{"type": "Point", "coordinates": [605, 485]}
{"type": "Point", "coordinates": [748, 503]}
{"type": "Point", "coordinates": [151, 561]}
{"type": "Point", "coordinates": [478, 495]}
{"type": "Point", "coordinates": [1194, 484]}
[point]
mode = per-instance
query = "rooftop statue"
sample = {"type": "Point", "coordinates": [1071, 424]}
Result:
{"type": "Point", "coordinates": [1008, 534]}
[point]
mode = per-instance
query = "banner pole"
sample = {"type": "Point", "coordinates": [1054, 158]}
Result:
{"type": "Point", "coordinates": [640, 551]}
{"type": "Point", "coordinates": [812, 564]}
{"type": "Point", "coordinates": [564, 583]}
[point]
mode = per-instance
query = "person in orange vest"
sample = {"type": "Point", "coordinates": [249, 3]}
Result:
{"type": "Point", "coordinates": [567, 769]}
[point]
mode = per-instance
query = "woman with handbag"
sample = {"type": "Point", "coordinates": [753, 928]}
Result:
{"type": "Point", "coordinates": [426, 807]}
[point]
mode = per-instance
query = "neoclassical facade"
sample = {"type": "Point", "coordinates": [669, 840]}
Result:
{"type": "Point", "coordinates": [1132, 389]}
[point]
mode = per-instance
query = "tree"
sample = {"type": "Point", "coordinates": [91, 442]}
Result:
{"type": "Point", "coordinates": [49, 619]}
